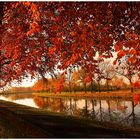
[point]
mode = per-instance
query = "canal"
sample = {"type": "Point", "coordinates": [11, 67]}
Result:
{"type": "Point", "coordinates": [117, 111]}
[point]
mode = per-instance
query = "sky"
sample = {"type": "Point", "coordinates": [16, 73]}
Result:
{"type": "Point", "coordinates": [28, 82]}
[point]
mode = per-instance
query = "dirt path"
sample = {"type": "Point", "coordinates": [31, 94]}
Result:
{"type": "Point", "coordinates": [18, 121]}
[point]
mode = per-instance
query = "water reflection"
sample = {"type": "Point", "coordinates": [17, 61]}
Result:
{"type": "Point", "coordinates": [24, 99]}
{"type": "Point", "coordinates": [114, 111]}
{"type": "Point", "coordinates": [126, 113]}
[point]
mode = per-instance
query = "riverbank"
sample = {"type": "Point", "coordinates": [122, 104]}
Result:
{"type": "Point", "coordinates": [121, 94]}
{"type": "Point", "coordinates": [35, 123]}
{"type": "Point", "coordinates": [104, 95]}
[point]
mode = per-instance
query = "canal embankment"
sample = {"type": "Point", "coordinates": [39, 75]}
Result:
{"type": "Point", "coordinates": [21, 121]}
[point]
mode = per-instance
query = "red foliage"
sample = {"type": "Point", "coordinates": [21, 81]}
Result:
{"type": "Point", "coordinates": [136, 99]}
{"type": "Point", "coordinates": [121, 53]}
{"type": "Point", "coordinates": [59, 85]}
{"type": "Point", "coordinates": [118, 46]}
{"type": "Point", "coordinates": [136, 84]}
{"type": "Point", "coordinates": [131, 59]}
{"type": "Point", "coordinates": [36, 36]}
{"type": "Point", "coordinates": [88, 79]}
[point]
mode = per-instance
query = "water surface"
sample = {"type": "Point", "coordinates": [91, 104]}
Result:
{"type": "Point", "coordinates": [122, 112]}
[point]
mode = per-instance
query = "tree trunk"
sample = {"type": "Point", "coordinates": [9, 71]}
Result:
{"type": "Point", "coordinates": [99, 87]}
{"type": "Point", "coordinates": [109, 110]}
{"type": "Point", "coordinates": [93, 109]}
{"type": "Point", "coordinates": [70, 106]}
{"type": "Point", "coordinates": [107, 85]}
{"type": "Point", "coordinates": [85, 87]}
{"type": "Point", "coordinates": [86, 108]}
{"type": "Point", "coordinates": [75, 105]}
{"type": "Point", "coordinates": [70, 86]}
{"type": "Point", "coordinates": [91, 86]}
{"type": "Point", "coordinates": [133, 114]}
{"type": "Point", "coordinates": [131, 86]}
{"type": "Point", "coordinates": [101, 116]}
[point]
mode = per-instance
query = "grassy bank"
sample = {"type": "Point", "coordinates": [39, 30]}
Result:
{"type": "Point", "coordinates": [115, 94]}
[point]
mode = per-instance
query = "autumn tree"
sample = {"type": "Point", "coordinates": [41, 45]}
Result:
{"type": "Point", "coordinates": [108, 71]}
{"type": "Point", "coordinates": [41, 85]}
{"type": "Point", "coordinates": [128, 71]}
{"type": "Point", "coordinates": [117, 82]}
{"type": "Point", "coordinates": [128, 56]}
{"type": "Point", "coordinates": [37, 37]}
{"type": "Point", "coordinates": [76, 80]}
{"type": "Point", "coordinates": [23, 48]}
{"type": "Point", "coordinates": [77, 77]}
{"type": "Point", "coordinates": [99, 71]}
{"type": "Point", "coordinates": [69, 79]}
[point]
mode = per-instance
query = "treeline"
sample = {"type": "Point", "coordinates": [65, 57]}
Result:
{"type": "Point", "coordinates": [79, 80]}
{"type": "Point", "coordinates": [106, 77]}
{"type": "Point", "coordinates": [18, 90]}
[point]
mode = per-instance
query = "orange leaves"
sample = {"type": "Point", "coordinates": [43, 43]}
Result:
{"type": "Point", "coordinates": [35, 11]}
{"type": "Point", "coordinates": [52, 50]}
{"type": "Point", "coordinates": [34, 27]}
{"type": "Point", "coordinates": [136, 84]}
{"type": "Point", "coordinates": [132, 51]}
{"type": "Point", "coordinates": [136, 99]}
{"type": "Point", "coordinates": [57, 42]}
{"type": "Point", "coordinates": [26, 3]}
{"type": "Point", "coordinates": [100, 57]}
{"type": "Point", "coordinates": [128, 49]}
{"type": "Point", "coordinates": [67, 33]}
{"type": "Point", "coordinates": [90, 26]}
{"type": "Point", "coordinates": [33, 7]}
{"type": "Point", "coordinates": [58, 85]}
{"type": "Point", "coordinates": [131, 59]}
{"type": "Point", "coordinates": [64, 54]}
{"type": "Point", "coordinates": [73, 33]}
{"type": "Point", "coordinates": [139, 75]}
{"type": "Point", "coordinates": [83, 36]}
{"type": "Point", "coordinates": [115, 62]}
{"type": "Point", "coordinates": [14, 5]}
{"type": "Point", "coordinates": [34, 14]}
{"type": "Point", "coordinates": [131, 43]}
{"type": "Point", "coordinates": [121, 53]}
{"type": "Point", "coordinates": [30, 32]}
{"type": "Point", "coordinates": [88, 79]}
{"type": "Point", "coordinates": [118, 46]}
{"type": "Point", "coordinates": [55, 28]}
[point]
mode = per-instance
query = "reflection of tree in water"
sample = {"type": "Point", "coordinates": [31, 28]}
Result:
{"type": "Point", "coordinates": [18, 96]}
{"type": "Point", "coordinates": [114, 111]}
{"type": "Point", "coordinates": [93, 113]}
{"type": "Point", "coordinates": [102, 112]}
{"type": "Point", "coordinates": [132, 119]}
{"type": "Point", "coordinates": [85, 113]}
{"type": "Point", "coordinates": [96, 113]}
{"type": "Point", "coordinates": [52, 104]}
{"type": "Point", "coordinates": [71, 107]}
